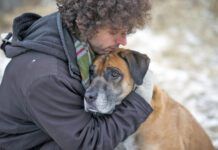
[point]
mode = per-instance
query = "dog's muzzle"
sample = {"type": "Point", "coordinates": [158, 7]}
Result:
{"type": "Point", "coordinates": [90, 98]}
{"type": "Point", "coordinates": [96, 102]}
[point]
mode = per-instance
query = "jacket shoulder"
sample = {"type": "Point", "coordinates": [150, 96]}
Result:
{"type": "Point", "coordinates": [29, 67]}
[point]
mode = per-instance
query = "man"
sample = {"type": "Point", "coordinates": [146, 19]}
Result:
{"type": "Point", "coordinates": [41, 94]}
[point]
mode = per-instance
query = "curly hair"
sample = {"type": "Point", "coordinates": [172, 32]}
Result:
{"type": "Point", "coordinates": [91, 14]}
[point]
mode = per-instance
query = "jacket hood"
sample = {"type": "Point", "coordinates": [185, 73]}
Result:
{"type": "Point", "coordinates": [35, 33]}
{"type": "Point", "coordinates": [32, 32]}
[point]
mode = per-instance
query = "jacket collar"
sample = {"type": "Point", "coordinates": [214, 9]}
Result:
{"type": "Point", "coordinates": [68, 45]}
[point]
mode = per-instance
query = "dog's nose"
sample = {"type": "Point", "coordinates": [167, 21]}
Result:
{"type": "Point", "coordinates": [90, 96]}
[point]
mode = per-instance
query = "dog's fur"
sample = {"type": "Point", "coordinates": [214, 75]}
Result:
{"type": "Point", "coordinates": [169, 127]}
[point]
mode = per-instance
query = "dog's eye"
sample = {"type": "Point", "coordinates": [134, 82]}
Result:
{"type": "Point", "coordinates": [115, 74]}
{"type": "Point", "coordinates": [91, 70]}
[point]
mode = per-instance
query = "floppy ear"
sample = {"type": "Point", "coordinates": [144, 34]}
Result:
{"type": "Point", "coordinates": [138, 64]}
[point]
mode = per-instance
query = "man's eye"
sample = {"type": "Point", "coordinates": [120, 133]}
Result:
{"type": "Point", "coordinates": [123, 34]}
{"type": "Point", "coordinates": [112, 32]}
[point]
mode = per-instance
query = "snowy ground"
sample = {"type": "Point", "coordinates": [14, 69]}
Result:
{"type": "Point", "coordinates": [3, 62]}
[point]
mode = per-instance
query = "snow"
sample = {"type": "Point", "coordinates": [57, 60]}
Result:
{"type": "Point", "coordinates": [145, 40]}
{"type": "Point", "coordinates": [3, 62]}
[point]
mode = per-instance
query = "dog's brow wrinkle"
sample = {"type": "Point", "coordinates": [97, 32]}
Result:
{"type": "Point", "coordinates": [102, 63]}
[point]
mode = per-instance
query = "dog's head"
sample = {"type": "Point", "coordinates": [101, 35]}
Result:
{"type": "Point", "coordinates": [112, 78]}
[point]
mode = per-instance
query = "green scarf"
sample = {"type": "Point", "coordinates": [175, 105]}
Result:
{"type": "Point", "coordinates": [85, 57]}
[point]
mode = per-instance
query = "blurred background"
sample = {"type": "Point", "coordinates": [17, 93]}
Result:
{"type": "Point", "coordinates": [182, 42]}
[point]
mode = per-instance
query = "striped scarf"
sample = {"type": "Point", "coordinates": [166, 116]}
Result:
{"type": "Point", "coordinates": [84, 59]}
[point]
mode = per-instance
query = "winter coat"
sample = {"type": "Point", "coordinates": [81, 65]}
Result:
{"type": "Point", "coordinates": [41, 95]}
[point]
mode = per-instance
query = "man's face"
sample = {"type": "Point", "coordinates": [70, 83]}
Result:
{"type": "Point", "coordinates": [106, 39]}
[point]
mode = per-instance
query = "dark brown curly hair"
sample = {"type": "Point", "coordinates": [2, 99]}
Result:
{"type": "Point", "coordinates": [91, 14]}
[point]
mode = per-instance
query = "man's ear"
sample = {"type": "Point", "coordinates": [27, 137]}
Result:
{"type": "Point", "coordinates": [138, 64]}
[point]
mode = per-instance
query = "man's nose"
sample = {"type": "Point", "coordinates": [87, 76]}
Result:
{"type": "Point", "coordinates": [121, 40]}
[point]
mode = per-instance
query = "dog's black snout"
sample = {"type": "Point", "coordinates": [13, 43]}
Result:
{"type": "Point", "coordinates": [90, 96]}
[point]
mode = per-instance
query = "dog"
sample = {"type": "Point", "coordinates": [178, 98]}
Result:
{"type": "Point", "coordinates": [169, 127]}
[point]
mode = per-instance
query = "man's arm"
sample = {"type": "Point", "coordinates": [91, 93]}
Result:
{"type": "Point", "coordinates": [56, 106]}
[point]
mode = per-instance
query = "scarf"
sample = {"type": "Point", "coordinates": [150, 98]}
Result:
{"type": "Point", "coordinates": [85, 57]}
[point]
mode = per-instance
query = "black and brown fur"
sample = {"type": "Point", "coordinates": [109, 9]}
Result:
{"type": "Point", "coordinates": [170, 126]}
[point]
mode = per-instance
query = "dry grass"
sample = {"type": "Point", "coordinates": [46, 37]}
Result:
{"type": "Point", "coordinates": [7, 19]}
{"type": "Point", "coordinates": [199, 16]}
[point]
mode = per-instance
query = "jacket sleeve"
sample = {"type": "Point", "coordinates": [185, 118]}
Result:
{"type": "Point", "coordinates": [56, 106]}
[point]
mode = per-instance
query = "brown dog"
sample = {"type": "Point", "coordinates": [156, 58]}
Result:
{"type": "Point", "coordinates": [169, 127]}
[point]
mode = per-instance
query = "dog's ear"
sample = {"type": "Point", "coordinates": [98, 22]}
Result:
{"type": "Point", "coordinates": [138, 64]}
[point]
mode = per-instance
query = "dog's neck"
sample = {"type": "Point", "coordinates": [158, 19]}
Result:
{"type": "Point", "coordinates": [146, 89]}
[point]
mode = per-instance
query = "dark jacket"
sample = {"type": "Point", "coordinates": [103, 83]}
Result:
{"type": "Point", "coordinates": [41, 95]}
